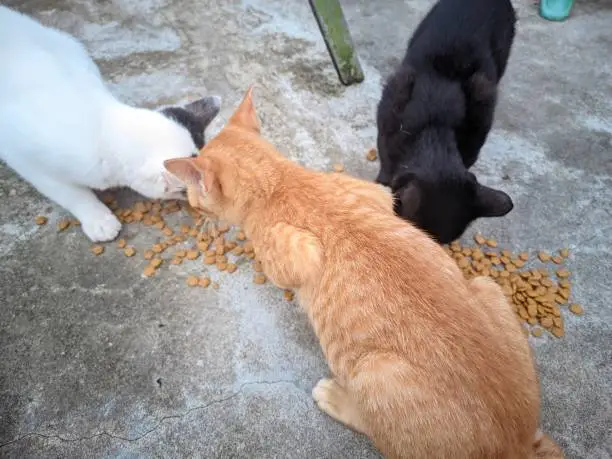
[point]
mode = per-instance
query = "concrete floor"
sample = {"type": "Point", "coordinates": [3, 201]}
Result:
{"type": "Point", "coordinates": [84, 340]}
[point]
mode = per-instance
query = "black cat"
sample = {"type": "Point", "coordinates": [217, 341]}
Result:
{"type": "Point", "coordinates": [436, 111]}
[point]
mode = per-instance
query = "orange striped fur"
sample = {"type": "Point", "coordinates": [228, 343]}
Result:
{"type": "Point", "coordinates": [425, 363]}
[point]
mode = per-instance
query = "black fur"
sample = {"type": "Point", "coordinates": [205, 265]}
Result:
{"type": "Point", "coordinates": [436, 111]}
{"type": "Point", "coordinates": [195, 117]}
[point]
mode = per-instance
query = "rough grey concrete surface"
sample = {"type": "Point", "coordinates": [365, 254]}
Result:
{"type": "Point", "coordinates": [84, 340]}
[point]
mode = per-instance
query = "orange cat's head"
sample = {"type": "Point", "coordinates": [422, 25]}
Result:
{"type": "Point", "coordinates": [235, 171]}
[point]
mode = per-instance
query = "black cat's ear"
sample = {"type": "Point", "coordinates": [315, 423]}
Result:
{"type": "Point", "coordinates": [205, 109]}
{"type": "Point", "coordinates": [480, 88]}
{"type": "Point", "coordinates": [410, 199]}
{"type": "Point", "coordinates": [491, 202]}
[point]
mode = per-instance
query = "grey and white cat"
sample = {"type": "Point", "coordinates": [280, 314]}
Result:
{"type": "Point", "coordinates": [64, 132]}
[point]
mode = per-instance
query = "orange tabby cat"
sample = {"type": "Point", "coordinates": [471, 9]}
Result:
{"type": "Point", "coordinates": [425, 363]}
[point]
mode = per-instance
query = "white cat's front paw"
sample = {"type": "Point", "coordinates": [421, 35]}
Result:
{"type": "Point", "coordinates": [101, 228]}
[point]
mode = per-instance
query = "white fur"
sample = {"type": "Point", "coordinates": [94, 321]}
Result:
{"type": "Point", "coordinates": [63, 131]}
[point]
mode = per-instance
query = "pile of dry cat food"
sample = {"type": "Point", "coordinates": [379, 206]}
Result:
{"type": "Point", "coordinates": [537, 294]}
{"type": "Point", "coordinates": [214, 245]}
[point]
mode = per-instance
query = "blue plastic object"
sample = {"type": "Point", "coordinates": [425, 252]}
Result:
{"type": "Point", "coordinates": [556, 10]}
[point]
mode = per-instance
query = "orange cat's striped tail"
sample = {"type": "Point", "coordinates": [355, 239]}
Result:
{"type": "Point", "coordinates": [545, 447]}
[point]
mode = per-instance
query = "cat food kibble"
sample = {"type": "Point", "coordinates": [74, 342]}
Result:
{"type": "Point", "coordinates": [231, 267]}
{"type": "Point", "coordinates": [156, 262]}
{"type": "Point", "coordinates": [371, 155]}
{"type": "Point", "coordinates": [259, 279]}
{"type": "Point", "coordinates": [148, 271]}
{"type": "Point", "coordinates": [288, 295]}
{"type": "Point", "coordinates": [192, 254]}
{"type": "Point", "coordinates": [148, 254]}
{"type": "Point", "coordinates": [121, 243]}
{"type": "Point", "coordinates": [204, 282]}
{"type": "Point", "coordinates": [192, 281]}
{"type": "Point", "coordinates": [63, 225]}
{"type": "Point", "coordinates": [97, 249]}
{"type": "Point", "coordinates": [536, 295]}
{"type": "Point", "coordinates": [41, 220]}
{"type": "Point", "coordinates": [129, 252]}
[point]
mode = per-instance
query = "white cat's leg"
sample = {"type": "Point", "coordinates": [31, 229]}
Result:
{"type": "Point", "coordinates": [98, 222]}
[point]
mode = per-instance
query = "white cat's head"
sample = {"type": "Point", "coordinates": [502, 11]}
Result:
{"type": "Point", "coordinates": [173, 132]}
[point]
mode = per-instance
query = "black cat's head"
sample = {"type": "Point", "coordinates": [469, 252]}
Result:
{"type": "Point", "coordinates": [195, 117]}
{"type": "Point", "coordinates": [445, 205]}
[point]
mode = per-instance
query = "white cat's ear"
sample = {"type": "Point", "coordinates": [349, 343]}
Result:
{"type": "Point", "coordinates": [185, 169]}
{"type": "Point", "coordinates": [245, 115]}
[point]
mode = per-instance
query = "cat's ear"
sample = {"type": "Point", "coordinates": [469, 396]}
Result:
{"type": "Point", "coordinates": [410, 198]}
{"type": "Point", "coordinates": [480, 88]}
{"type": "Point", "coordinates": [205, 109]}
{"type": "Point", "coordinates": [245, 115]}
{"type": "Point", "coordinates": [185, 169]}
{"type": "Point", "coordinates": [395, 96]}
{"type": "Point", "coordinates": [491, 202]}
{"type": "Point", "coordinates": [192, 171]}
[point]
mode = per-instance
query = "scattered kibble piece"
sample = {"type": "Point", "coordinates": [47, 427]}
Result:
{"type": "Point", "coordinates": [564, 252]}
{"type": "Point", "coordinates": [231, 267]}
{"type": "Point", "coordinates": [148, 254]}
{"type": "Point", "coordinates": [257, 267]}
{"type": "Point", "coordinates": [576, 309]}
{"type": "Point", "coordinates": [176, 261]}
{"type": "Point", "coordinates": [97, 249]}
{"type": "Point", "coordinates": [543, 256]}
{"type": "Point", "coordinates": [193, 254]}
{"type": "Point", "coordinates": [156, 262]}
{"type": "Point", "coordinates": [121, 243]}
{"type": "Point", "coordinates": [371, 155]}
{"type": "Point", "coordinates": [492, 243]}
{"type": "Point", "coordinates": [204, 282]}
{"type": "Point", "coordinates": [288, 295]}
{"type": "Point", "coordinates": [557, 259]}
{"type": "Point", "coordinates": [148, 271]}
{"type": "Point", "coordinates": [537, 332]}
{"type": "Point", "coordinates": [157, 248]}
{"type": "Point", "coordinates": [192, 281]}
{"type": "Point", "coordinates": [167, 231]}
{"type": "Point", "coordinates": [210, 260]}
{"type": "Point", "coordinates": [184, 229]}
{"type": "Point", "coordinates": [129, 252]}
{"type": "Point", "coordinates": [524, 256]}
{"type": "Point", "coordinates": [338, 167]}
{"type": "Point", "coordinates": [563, 273]}
{"type": "Point", "coordinates": [203, 246]}
{"type": "Point", "coordinates": [63, 225]}
{"type": "Point", "coordinates": [215, 285]}
{"type": "Point", "coordinates": [238, 250]}
{"type": "Point", "coordinates": [41, 220]}
{"type": "Point", "coordinates": [259, 279]}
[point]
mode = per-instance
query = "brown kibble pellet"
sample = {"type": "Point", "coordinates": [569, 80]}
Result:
{"type": "Point", "coordinates": [258, 268]}
{"type": "Point", "coordinates": [148, 271]}
{"type": "Point", "coordinates": [176, 261]}
{"type": "Point", "coordinates": [211, 253]}
{"type": "Point", "coordinates": [288, 295]}
{"type": "Point", "coordinates": [184, 229]}
{"type": "Point", "coordinates": [576, 309]}
{"type": "Point", "coordinates": [546, 322]}
{"type": "Point", "coordinates": [557, 331]}
{"type": "Point", "coordinates": [557, 259]}
{"type": "Point", "coordinates": [563, 273]}
{"type": "Point", "coordinates": [564, 252]}
{"type": "Point", "coordinates": [121, 243]}
{"type": "Point", "coordinates": [193, 232]}
{"type": "Point", "coordinates": [543, 256]}
{"type": "Point", "coordinates": [41, 220]}
{"type": "Point", "coordinates": [524, 256]}
{"type": "Point", "coordinates": [167, 231]}
{"type": "Point", "coordinates": [215, 285]}
{"type": "Point", "coordinates": [160, 225]}
{"type": "Point", "coordinates": [192, 281]}
{"type": "Point", "coordinates": [371, 154]}
{"type": "Point", "coordinates": [259, 279]}
{"type": "Point", "coordinates": [157, 248]}
{"type": "Point", "coordinates": [156, 262]}
{"type": "Point", "coordinates": [97, 249]}
{"type": "Point", "coordinates": [63, 225]}
{"type": "Point", "coordinates": [204, 282]}
{"type": "Point", "coordinates": [221, 265]}
{"type": "Point", "coordinates": [537, 332]}
{"type": "Point", "coordinates": [210, 260]}
{"type": "Point", "coordinates": [129, 252]}
{"type": "Point", "coordinates": [203, 246]}
{"type": "Point", "coordinates": [338, 167]}
{"type": "Point", "coordinates": [231, 267]}
{"type": "Point", "coordinates": [148, 254]}
{"type": "Point", "coordinates": [479, 239]}
{"type": "Point", "coordinates": [192, 254]}
{"type": "Point", "coordinates": [492, 243]}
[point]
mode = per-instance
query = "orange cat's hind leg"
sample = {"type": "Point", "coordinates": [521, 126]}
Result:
{"type": "Point", "coordinates": [334, 400]}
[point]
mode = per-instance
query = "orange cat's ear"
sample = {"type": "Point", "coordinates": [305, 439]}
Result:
{"type": "Point", "coordinates": [185, 169]}
{"type": "Point", "coordinates": [245, 115]}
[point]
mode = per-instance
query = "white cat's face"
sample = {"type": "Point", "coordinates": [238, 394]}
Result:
{"type": "Point", "coordinates": [176, 133]}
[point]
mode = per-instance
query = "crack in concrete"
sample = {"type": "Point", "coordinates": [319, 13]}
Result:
{"type": "Point", "coordinates": [159, 422]}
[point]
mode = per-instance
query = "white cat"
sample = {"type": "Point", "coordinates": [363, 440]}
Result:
{"type": "Point", "coordinates": [63, 131]}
